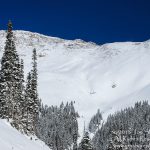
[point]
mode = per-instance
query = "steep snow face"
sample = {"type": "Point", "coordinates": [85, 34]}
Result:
{"type": "Point", "coordinates": [109, 77]}
{"type": "Point", "coordinates": [11, 139]}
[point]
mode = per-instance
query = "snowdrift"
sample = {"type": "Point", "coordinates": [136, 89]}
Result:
{"type": "Point", "coordinates": [11, 139]}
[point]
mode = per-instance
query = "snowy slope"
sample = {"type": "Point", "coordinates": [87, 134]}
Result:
{"type": "Point", "coordinates": [109, 77]}
{"type": "Point", "coordinates": [11, 139]}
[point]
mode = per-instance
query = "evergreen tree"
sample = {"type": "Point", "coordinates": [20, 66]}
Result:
{"type": "Point", "coordinates": [34, 77]}
{"type": "Point", "coordinates": [95, 122]}
{"type": "Point", "coordinates": [28, 108]}
{"type": "Point", "coordinates": [9, 80]}
{"type": "Point", "coordinates": [21, 89]}
{"type": "Point", "coordinates": [22, 98]}
{"type": "Point", "coordinates": [85, 143]}
{"type": "Point", "coordinates": [32, 104]}
{"type": "Point", "coordinates": [74, 126]}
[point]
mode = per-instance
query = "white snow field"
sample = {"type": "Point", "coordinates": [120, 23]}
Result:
{"type": "Point", "coordinates": [110, 76]}
{"type": "Point", "coordinates": [11, 139]}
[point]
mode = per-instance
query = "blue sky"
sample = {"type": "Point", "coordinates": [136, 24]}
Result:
{"type": "Point", "coordinates": [99, 21]}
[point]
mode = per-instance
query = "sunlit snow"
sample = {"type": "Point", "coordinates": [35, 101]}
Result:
{"type": "Point", "coordinates": [110, 77]}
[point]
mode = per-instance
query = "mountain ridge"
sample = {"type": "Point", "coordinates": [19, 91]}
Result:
{"type": "Point", "coordinates": [109, 76]}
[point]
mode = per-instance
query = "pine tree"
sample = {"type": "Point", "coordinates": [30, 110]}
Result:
{"type": "Point", "coordinates": [32, 104]}
{"type": "Point", "coordinates": [21, 89]}
{"type": "Point", "coordinates": [85, 143]}
{"type": "Point", "coordinates": [3, 106]}
{"type": "Point", "coordinates": [22, 97]}
{"type": "Point", "coordinates": [34, 84]}
{"type": "Point", "coordinates": [28, 108]}
{"type": "Point", "coordinates": [74, 126]}
{"type": "Point", "coordinates": [95, 122]}
{"type": "Point", "coordinates": [9, 79]}
{"type": "Point", "coordinates": [19, 99]}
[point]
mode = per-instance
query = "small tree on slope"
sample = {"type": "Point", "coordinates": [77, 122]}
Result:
{"type": "Point", "coordinates": [85, 143]}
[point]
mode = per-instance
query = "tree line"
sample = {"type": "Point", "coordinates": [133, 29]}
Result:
{"type": "Point", "coordinates": [58, 126]}
{"type": "Point", "coordinates": [128, 129]}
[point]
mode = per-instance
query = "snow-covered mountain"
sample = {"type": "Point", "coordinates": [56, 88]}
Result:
{"type": "Point", "coordinates": [110, 76]}
{"type": "Point", "coordinates": [11, 139]}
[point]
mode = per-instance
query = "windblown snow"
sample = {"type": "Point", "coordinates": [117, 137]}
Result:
{"type": "Point", "coordinates": [11, 139]}
{"type": "Point", "coordinates": [110, 76]}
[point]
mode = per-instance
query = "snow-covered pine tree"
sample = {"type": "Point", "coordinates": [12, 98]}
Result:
{"type": "Point", "coordinates": [3, 106]}
{"type": "Point", "coordinates": [9, 80]}
{"type": "Point", "coordinates": [16, 96]}
{"type": "Point", "coordinates": [86, 143]}
{"type": "Point", "coordinates": [21, 89]}
{"type": "Point", "coordinates": [95, 122]}
{"type": "Point", "coordinates": [34, 77]}
{"type": "Point", "coordinates": [28, 108]}
{"type": "Point", "coordinates": [22, 96]}
{"type": "Point", "coordinates": [32, 104]}
{"type": "Point", "coordinates": [74, 125]}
